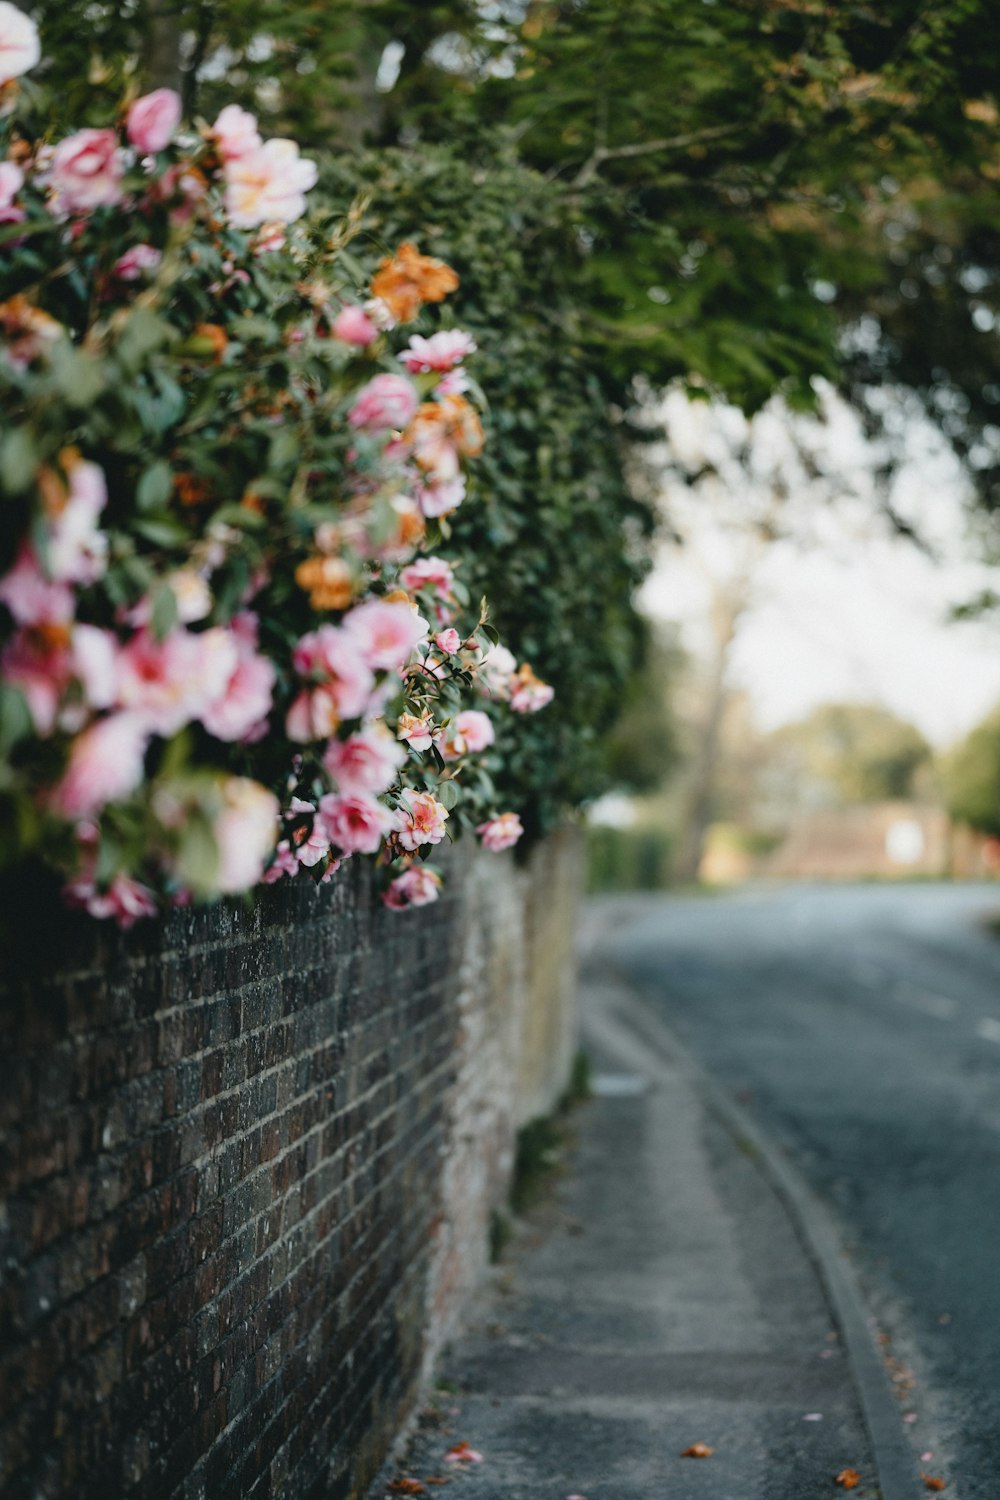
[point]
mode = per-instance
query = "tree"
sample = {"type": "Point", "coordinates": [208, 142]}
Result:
{"type": "Point", "coordinates": [848, 753]}
{"type": "Point", "coordinates": [972, 777]}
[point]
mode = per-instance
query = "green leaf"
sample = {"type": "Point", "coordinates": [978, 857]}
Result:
{"type": "Point", "coordinates": [19, 459]}
{"type": "Point", "coordinates": [155, 486]}
{"type": "Point", "coordinates": [164, 611]}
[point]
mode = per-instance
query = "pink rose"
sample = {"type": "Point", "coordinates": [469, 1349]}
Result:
{"type": "Point", "coordinates": [367, 762]}
{"type": "Point", "coordinates": [235, 133]}
{"type": "Point", "coordinates": [125, 899]}
{"type": "Point", "coordinates": [442, 351]}
{"type": "Point", "coordinates": [152, 120]}
{"type": "Point", "coordinates": [353, 326]}
{"type": "Point", "coordinates": [500, 832]}
{"type": "Point", "coordinates": [20, 48]}
{"type": "Point", "coordinates": [141, 260]}
{"type": "Point", "coordinates": [386, 634]}
{"type": "Point", "coordinates": [417, 886]}
{"type": "Point", "coordinates": [95, 664]}
{"type": "Point", "coordinates": [476, 729]}
{"type": "Point", "coordinates": [245, 834]}
{"type": "Point", "coordinates": [170, 683]}
{"type": "Point", "coordinates": [268, 185]}
{"type": "Point", "coordinates": [77, 550]}
{"type": "Point", "coordinates": [41, 670]}
{"type": "Point", "coordinates": [387, 402]}
{"type": "Point", "coordinates": [340, 683]}
{"type": "Point", "coordinates": [284, 863]}
{"type": "Point", "coordinates": [449, 641]}
{"type": "Point", "coordinates": [421, 820]}
{"type": "Point", "coordinates": [11, 183]}
{"type": "Point", "coordinates": [428, 573]}
{"type": "Point", "coordinates": [496, 671]}
{"type": "Point", "coordinates": [245, 702]}
{"type": "Point", "coordinates": [441, 496]}
{"type": "Point", "coordinates": [355, 824]}
{"type": "Point", "coordinates": [32, 598]}
{"type": "Point", "coordinates": [420, 733]}
{"type": "Point", "coordinates": [87, 171]}
{"type": "Point", "coordinates": [105, 764]}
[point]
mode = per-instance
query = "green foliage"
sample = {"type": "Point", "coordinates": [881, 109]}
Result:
{"type": "Point", "coordinates": [852, 752]}
{"type": "Point", "coordinates": [971, 775]}
{"type": "Point", "coordinates": [628, 859]}
{"type": "Point", "coordinates": [554, 539]}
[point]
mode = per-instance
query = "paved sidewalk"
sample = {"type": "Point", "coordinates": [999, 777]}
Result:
{"type": "Point", "coordinates": [659, 1299]}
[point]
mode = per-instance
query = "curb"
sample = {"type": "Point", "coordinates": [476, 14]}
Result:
{"type": "Point", "coordinates": [894, 1460]}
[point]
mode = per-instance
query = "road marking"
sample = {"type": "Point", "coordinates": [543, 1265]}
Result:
{"type": "Point", "coordinates": [989, 1029]}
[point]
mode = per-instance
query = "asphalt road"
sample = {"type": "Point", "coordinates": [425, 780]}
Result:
{"type": "Point", "coordinates": [861, 1027]}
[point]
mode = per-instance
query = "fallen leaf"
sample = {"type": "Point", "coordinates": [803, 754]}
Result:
{"type": "Point", "coordinates": [848, 1479]}
{"type": "Point", "coordinates": [406, 1486]}
{"type": "Point", "coordinates": [932, 1482]}
{"type": "Point", "coordinates": [698, 1450]}
{"type": "Point", "coordinates": [461, 1453]}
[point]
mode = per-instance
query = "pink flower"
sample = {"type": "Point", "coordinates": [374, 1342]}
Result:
{"type": "Point", "coordinates": [245, 833]}
{"type": "Point", "coordinates": [421, 820]}
{"type": "Point", "coordinates": [455, 383]}
{"type": "Point", "coordinates": [367, 762]}
{"type": "Point", "coordinates": [419, 732]}
{"type": "Point", "coordinates": [284, 863]}
{"type": "Point", "coordinates": [386, 634]}
{"type": "Point", "coordinates": [495, 672]}
{"type": "Point", "coordinates": [20, 48]}
{"type": "Point", "coordinates": [77, 550]}
{"type": "Point", "coordinates": [354, 823]}
{"type": "Point", "coordinates": [87, 171]}
{"type": "Point", "coordinates": [235, 133]}
{"type": "Point", "coordinates": [41, 669]}
{"type": "Point", "coordinates": [95, 664]}
{"type": "Point", "coordinates": [428, 573]}
{"type": "Point", "coordinates": [125, 899]}
{"type": "Point", "coordinates": [353, 326]}
{"type": "Point", "coordinates": [341, 683]}
{"type": "Point", "coordinates": [169, 683]}
{"type": "Point", "coordinates": [440, 352]}
{"type": "Point", "coordinates": [461, 1453]}
{"type": "Point", "coordinates": [476, 729]}
{"type": "Point", "coordinates": [267, 185]}
{"type": "Point", "coordinates": [386, 402]}
{"type": "Point", "coordinates": [449, 641]}
{"type": "Point", "coordinates": [528, 693]}
{"type": "Point", "coordinates": [105, 764]}
{"type": "Point", "coordinates": [417, 886]}
{"type": "Point", "coordinates": [11, 183]}
{"type": "Point", "coordinates": [441, 497]}
{"type": "Point", "coordinates": [272, 237]}
{"type": "Point", "coordinates": [500, 832]}
{"type": "Point", "coordinates": [152, 120]}
{"type": "Point", "coordinates": [32, 598]}
{"type": "Point", "coordinates": [141, 260]}
{"type": "Point", "coordinates": [246, 700]}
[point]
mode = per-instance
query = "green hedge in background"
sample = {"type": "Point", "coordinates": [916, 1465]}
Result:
{"type": "Point", "coordinates": [560, 540]}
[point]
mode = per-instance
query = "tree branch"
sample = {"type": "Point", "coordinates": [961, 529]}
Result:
{"type": "Point", "coordinates": [601, 154]}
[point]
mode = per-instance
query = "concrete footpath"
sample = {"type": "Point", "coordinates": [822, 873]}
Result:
{"type": "Point", "coordinates": [659, 1299]}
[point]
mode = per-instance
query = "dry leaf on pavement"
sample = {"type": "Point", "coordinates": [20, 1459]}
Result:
{"type": "Point", "coordinates": [698, 1450]}
{"type": "Point", "coordinates": [461, 1453]}
{"type": "Point", "coordinates": [407, 1487]}
{"type": "Point", "coordinates": [848, 1479]}
{"type": "Point", "coordinates": [933, 1482]}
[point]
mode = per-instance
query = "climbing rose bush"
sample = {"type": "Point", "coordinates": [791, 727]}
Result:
{"type": "Point", "coordinates": [235, 645]}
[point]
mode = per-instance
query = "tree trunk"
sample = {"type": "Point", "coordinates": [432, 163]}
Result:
{"type": "Point", "coordinates": [162, 52]}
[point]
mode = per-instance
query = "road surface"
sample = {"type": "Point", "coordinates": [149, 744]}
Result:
{"type": "Point", "coordinates": [861, 1027]}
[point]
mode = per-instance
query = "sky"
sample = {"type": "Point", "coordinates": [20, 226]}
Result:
{"type": "Point", "coordinates": [841, 607]}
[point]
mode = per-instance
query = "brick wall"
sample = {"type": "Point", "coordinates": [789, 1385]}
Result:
{"type": "Point", "coordinates": [248, 1164]}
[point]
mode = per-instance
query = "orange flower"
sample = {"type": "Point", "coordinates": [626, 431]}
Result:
{"type": "Point", "coordinates": [327, 580]}
{"type": "Point", "coordinates": [191, 490]}
{"type": "Point", "coordinates": [450, 420]}
{"type": "Point", "coordinates": [406, 280]}
{"type": "Point", "coordinates": [212, 338]}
